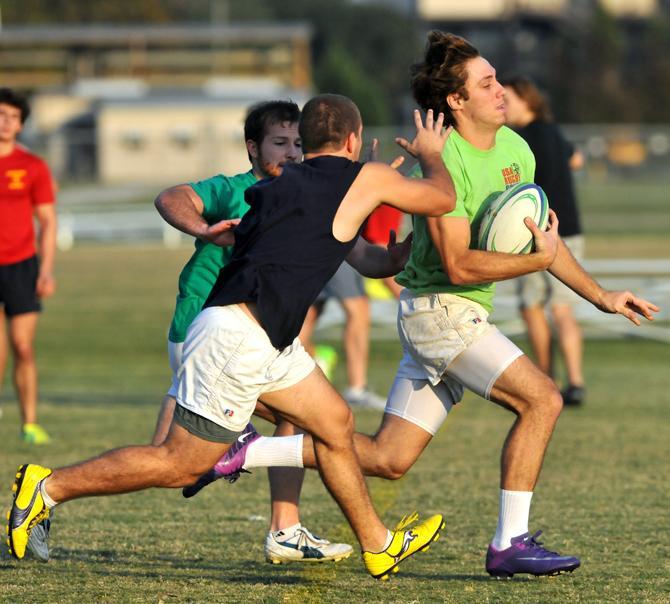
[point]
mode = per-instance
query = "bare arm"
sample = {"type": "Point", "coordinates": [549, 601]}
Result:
{"type": "Point", "coordinates": [433, 195]}
{"type": "Point", "coordinates": [377, 262]}
{"type": "Point", "coordinates": [451, 237]}
{"type": "Point", "coordinates": [566, 268]}
{"type": "Point", "coordinates": [46, 220]}
{"type": "Point", "coordinates": [181, 207]}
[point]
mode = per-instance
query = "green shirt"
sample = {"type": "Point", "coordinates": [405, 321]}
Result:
{"type": "Point", "coordinates": [222, 197]}
{"type": "Point", "coordinates": [478, 177]}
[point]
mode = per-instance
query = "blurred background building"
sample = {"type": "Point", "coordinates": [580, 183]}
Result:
{"type": "Point", "coordinates": [111, 103]}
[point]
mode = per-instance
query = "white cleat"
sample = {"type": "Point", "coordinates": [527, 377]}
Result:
{"type": "Point", "coordinates": [303, 546]}
{"type": "Point", "coordinates": [38, 541]}
{"type": "Point", "coordinates": [364, 398]}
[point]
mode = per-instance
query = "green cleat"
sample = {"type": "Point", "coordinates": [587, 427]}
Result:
{"type": "Point", "coordinates": [35, 434]}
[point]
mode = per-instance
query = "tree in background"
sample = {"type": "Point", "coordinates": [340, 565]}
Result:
{"type": "Point", "coordinates": [596, 68]}
{"type": "Point", "coordinates": [654, 80]}
{"type": "Point", "coordinates": [586, 78]}
{"type": "Point", "coordinates": [362, 51]}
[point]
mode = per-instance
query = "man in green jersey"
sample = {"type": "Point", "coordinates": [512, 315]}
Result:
{"type": "Point", "coordinates": [443, 323]}
{"type": "Point", "coordinates": [203, 209]}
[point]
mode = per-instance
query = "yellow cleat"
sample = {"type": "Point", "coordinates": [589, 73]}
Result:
{"type": "Point", "coordinates": [28, 508]}
{"type": "Point", "coordinates": [403, 544]}
{"type": "Point", "coordinates": [35, 435]}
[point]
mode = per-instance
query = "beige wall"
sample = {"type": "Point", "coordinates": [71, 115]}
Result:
{"type": "Point", "coordinates": [157, 144]}
{"type": "Point", "coordinates": [485, 9]}
{"type": "Point", "coordinates": [494, 9]}
{"type": "Point", "coordinates": [631, 8]}
{"type": "Point", "coordinates": [49, 111]}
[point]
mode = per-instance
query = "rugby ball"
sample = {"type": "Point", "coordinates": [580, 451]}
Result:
{"type": "Point", "coordinates": [502, 228]}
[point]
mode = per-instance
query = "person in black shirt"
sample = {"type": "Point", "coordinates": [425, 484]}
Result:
{"type": "Point", "coordinates": [528, 112]}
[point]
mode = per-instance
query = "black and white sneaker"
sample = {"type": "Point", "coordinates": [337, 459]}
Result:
{"type": "Point", "coordinates": [303, 546]}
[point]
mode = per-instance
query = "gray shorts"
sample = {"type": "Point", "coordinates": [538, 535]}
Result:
{"type": "Point", "coordinates": [543, 289]}
{"type": "Point", "coordinates": [202, 427]}
{"type": "Point", "coordinates": [345, 283]}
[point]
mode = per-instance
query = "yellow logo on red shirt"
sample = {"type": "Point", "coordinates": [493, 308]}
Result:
{"type": "Point", "coordinates": [512, 175]}
{"type": "Point", "coordinates": [16, 179]}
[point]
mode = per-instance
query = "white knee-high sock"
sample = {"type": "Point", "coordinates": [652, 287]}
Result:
{"type": "Point", "coordinates": [276, 451]}
{"type": "Point", "coordinates": [512, 517]}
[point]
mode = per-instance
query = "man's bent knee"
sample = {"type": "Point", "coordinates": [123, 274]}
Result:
{"type": "Point", "coordinates": [547, 402]}
{"type": "Point", "coordinates": [391, 465]}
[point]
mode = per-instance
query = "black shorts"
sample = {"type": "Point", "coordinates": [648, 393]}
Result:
{"type": "Point", "coordinates": [17, 287]}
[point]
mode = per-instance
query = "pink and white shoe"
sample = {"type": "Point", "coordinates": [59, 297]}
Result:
{"type": "Point", "coordinates": [230, 466]}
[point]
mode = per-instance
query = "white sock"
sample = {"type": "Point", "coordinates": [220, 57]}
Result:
{"type": "Point", "coordinates": [389, 538]}
{"type": "Point", "coordinates": [286, 533]}
{"type": "Point", "coordinates": [277, 451]}
{"type": "Point", "coordinates": [50, 503]}
{"type": "Point", "coordinates": [512, 518]}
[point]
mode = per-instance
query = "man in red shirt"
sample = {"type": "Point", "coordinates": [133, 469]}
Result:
{"type": "Point", "coordinates": [26, 191]}
{"type": "Point", "coordinates": [377, 230]}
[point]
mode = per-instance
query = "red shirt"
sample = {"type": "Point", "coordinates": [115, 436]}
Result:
{"type": "Point", "coordinates": [380, 223]}
{"type": "Point", "coordinates": [25, 182]}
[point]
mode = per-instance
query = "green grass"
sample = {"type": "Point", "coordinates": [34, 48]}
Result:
{"type": "Point", "coordinates": [603, 492]}
{"type": "Point", "coordinates": [625, 209]}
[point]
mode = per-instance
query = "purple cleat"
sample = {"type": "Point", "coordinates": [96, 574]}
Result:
{"type": "Point", "coordinates": [230, 466]}
{"type": "Point", "coordinates": [526, 555]}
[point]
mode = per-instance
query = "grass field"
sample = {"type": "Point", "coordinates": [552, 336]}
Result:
{"type": "Point", "coordinates": [603, 494]}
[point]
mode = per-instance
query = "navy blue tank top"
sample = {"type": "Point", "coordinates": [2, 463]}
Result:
{"type": "Point", "coordinates": [285, 251]}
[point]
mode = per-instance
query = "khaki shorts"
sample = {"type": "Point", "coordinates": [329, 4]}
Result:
{"type": "Point", "coordinates": [448, 345]}
{"type": "Point", "coordinates": [228, 362]}
{"type": "Point", "coordinates": [543, 289]}
{"type": "Point", "coordinates": [435, 328]}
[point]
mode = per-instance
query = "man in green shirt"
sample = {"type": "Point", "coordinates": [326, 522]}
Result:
{"type": "Point", "coordinates": [204, 209]}
{"type": "Point", "coordinates": [443, 323]}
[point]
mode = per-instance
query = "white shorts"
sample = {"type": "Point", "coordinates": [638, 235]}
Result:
{"type": "Point", "coordinates": [543, 289]}
{"type": "Point", "coordinates": [174, 354]}
{"type": "Point", "coordinates": [229, 362]}
{"type": "Point", "coordinates": [448, 346]}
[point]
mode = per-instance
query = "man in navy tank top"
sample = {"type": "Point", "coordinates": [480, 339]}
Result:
{"type": "Point", "coordinates": [244, 344]}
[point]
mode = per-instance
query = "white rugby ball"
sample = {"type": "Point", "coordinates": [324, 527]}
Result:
{"type": "Point", "coordinates": [502, 228]}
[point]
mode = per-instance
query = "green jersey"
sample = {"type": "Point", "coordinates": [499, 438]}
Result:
{"type": "Point", "coordinates": [222, 197]}
{"type": "Point", "coordinates": [478, 177]}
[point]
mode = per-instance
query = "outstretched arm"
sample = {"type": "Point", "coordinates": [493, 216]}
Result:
{"type": "Point", "coordinates": [376, 262]}
{"type": "Point", "coordinates": [434, 194]}
{"type": "Point", "coordinates": [566, 268]}
{"type": "Point", "coordinates": [181, 207]}
{"type": "Point", "coordinates": [377, 183]}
